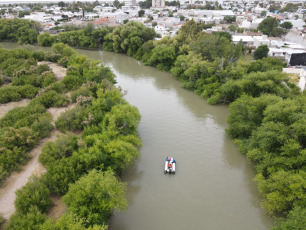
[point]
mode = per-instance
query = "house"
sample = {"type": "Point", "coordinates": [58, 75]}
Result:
{"type": "Point", "coordinates": [246, 40]}
{"type": "Point", "coordinates": [261, 40]}
{"type": "Point", "coordinates": [302, 82]}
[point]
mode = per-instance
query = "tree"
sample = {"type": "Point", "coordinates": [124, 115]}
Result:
{"type": "Point", "coordinates": [295, 220]}
{"type": "Point", "coordinates": [230, 19]}
{"type": "Point", "coordinates": [182, 18]}
{"type": "Point", "coordinates": [61, 4]}
{"type": "Point", "coordinates": [22, 13]}
{"type": "Point", "coordinates": [96, 196]}
{"type": "Point", "coordinates": [46, 39]}
{"type": "Point", "coordinates": [267, 25]}
{"type": "Point", "coordinates": [145, 4]}
{"type": "Point", "coordinates": [261, 52]}
{"type": "Point", "coordinates": [286, 25]}
{"type": "Point", "coordinates": [116, 4]}
{"type": "Point", "coordinates": [141, 13]}
{"type": "Point", "coordinates": [190, 30]}
{"type": "Point", "coordinates": [163, 57]}
{"type": "Point", "coordinates": [290, 7]}
{"type": "Point", "coordinates": [232, 28]}
{"type": "Point", "coordinates": [263, 13]}
{"type": "Point", "coordinates": [274, 7]}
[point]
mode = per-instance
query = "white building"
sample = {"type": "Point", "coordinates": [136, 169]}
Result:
{"type": "Point", "coordinates": [261, 40]}
{"type": "Point", "coordinates": [302, 82]}
{"type": "Point", "coordinates": [158, 3]}
{"type": "Point", "coordinates": [246, 40]}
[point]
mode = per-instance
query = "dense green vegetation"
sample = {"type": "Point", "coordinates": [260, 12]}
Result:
{"type": "Point", "coordinates": [270, 131]}
{"type": "Point", "coordinates": [22, 128]}
{"type": "Point", "coordinates": [267, 112]}
{"type": "Point", "coordinates": [270, 27]}
{"type": "Point", "coordinates": [19, 30]}
{"type": "Point", "coordinates": [19, 67]}
{"type": "Point", "coordinates": [76, 165]}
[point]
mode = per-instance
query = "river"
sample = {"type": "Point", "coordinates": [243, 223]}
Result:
{"type": "Point", "coordinates": [213, 187]}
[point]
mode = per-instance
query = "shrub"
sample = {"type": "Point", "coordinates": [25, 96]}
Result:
{"type": "Point", "coordinates": [2, 220]}
{"type": "Point", "coordinates": [38, 55]}
{"type": "Point", "coordinates": [83, 91]}
{"type": "Point", "coordinates": [72, 119]}
{"type": "Point", "coordinates": [32, 220]}
{"type": "Point", "coordinates": [47, 78]}
{"type": "Point", "coordinates": [27, 91]}
{"type": "Point", "coordinates": [73, 82]}
{"type": "Point", "coordinates": [92, 197]}
{"type": "Point", "coordinates": [42, 125]}
{"type": "Point", "coordinates": [9, 93]}
{"type": "Point", "coordinates": [51, 99]}
{"type": "Point", "coordinates": [62, 147]}
{"type": "Point", "coordinates": [59, 87]}
{"type": "Point", "coordinates": [43, 68]}
{"type": "Point", "coordinates": [63, 61]}
{"type": "Point", "coordinates": [52, 57]}
{"type": "Point", "coordinates": [34, 193]}
{"type": "Point", "coordinates": [27, 114]}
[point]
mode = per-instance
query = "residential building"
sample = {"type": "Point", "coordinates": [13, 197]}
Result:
{"type": "Point", "coordinates": [158, 3]}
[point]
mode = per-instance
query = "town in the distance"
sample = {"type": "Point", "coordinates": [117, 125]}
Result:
{"type": "Point", "coordinates": [251, 22]}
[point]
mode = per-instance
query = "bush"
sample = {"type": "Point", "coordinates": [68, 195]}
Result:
{"type": "Point", "coordinates": [63, 61]}
{"type": "Point", "coordinates": [62, 147]}
{"type": "Point", "coordinates": [34, 193]}
{"type": "Point", "coordinates": [92, 197]}
{"type": "Point", "coordinates": [27, 114]}
{"type": "Point", "coordinates": [2, 220]}
{"type": "Point", "coordinates": [32, 220]}
{"type": "Point", "coordinates": [27, 91]}
{"type": "Point", "coordinates": [38, 55]}
{"type": "Point", "coordinates": [73, 82]}
{"type": "Point", "coordinates": [52, 57]}
{"type": "Point", "coordinates": [1, 80]}
{"type": "Point", "coordinates": [9, 93]}
{"type": "Point", "coordinates": [58, 87]}
{"type": "Point", "coordinates": [42, 125]}
{"type": "Point", "coordinates": [83, 91]}
{"type": "Point", "coordinates": [72, 119]}
{"type": "Point", "coordinates": [43, 68]}
{"type": "Point", "coordinates": [47, 78]}
{"type": "Point", "coordinates": [51, 99]}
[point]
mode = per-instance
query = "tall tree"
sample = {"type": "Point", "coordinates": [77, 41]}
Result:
{"type": "Point", "coordinates": [261, 52]}
{"type": "Point", "coordinates": [267, 25]}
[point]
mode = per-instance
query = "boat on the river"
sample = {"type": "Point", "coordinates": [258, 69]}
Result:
{"type": "Point", "coordinates": [170, 165]}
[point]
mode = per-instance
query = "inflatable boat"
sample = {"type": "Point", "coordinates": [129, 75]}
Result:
{"type": "Point", "coordinates": [170, 165]}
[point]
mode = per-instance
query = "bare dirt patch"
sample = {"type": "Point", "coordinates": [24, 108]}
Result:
{"type": "Point", "coordinates": [58, 208]}
{"type": "Point", "coordinates": [58, 70]}
{"type": "Point", "coordinates": [4, 108]}
{"type": "Point", "coordinates": [56, 112]}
